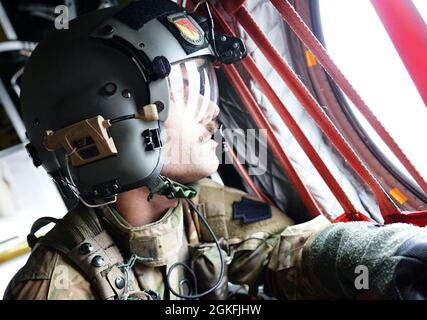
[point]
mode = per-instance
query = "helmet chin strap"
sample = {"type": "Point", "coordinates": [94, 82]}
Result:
{"type": "Point", "coordinates": [169, 188]}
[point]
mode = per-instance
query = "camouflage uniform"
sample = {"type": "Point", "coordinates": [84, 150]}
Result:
{"type": "Point", "coordinates": [266, 252]}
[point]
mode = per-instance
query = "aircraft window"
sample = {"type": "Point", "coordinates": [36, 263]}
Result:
{"type": "Point", "coordinates": [422, 8]}
{"type": "Point", "coordinates": [361, 47]}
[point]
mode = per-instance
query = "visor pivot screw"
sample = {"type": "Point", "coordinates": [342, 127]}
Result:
{"type": "Point", "coordinates": [236, 45]}
{"type": "Point", "coordinates": [141, 45]}
{"type": "Point", "coordinates": [85, 248]}
{"type": "Point", "coordinates": [97, 261]}
{"type": "Point", "coordinates": [108, 29]}
{"type": "Point", "coordinates": [95, 193]}
{"type": "Point", "coordinates": [160, 106]}
{"type": "Point", "coordinates": [115, 186]}
{"type": "Point", "coordinates": [120, 282]}
{"type": "Point", "coordinates": [161, 67]}
{"type": "Point", "coordinates": [223, 38]}
{"type": "Point", "coordinates": [126, 94]}
{"type": "Point", "coordinates": [110, 88]}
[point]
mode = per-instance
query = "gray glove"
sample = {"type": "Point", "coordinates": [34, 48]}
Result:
{"type": "Point", "coordinates": [393, 256]}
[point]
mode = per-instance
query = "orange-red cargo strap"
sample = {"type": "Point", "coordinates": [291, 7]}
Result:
{"type": "Point", "coordinates": [293, 126]}
{"type": "Point", "coordinates": [386, 205]}
{"type": "Point", "coordinates": [291, 16]}
{"type": "Point", "coordinates": [262, 123]}
{"type": "Point", "coordinates": [408, 31]}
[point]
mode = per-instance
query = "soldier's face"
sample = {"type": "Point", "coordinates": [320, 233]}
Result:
{"type": "Point", "coordinates": [193, 92]}
{"type": "Point", "coordinates": [190, 151]}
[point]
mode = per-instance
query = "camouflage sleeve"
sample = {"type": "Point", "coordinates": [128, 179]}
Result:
{"type": "Point", "coordinates": [265, 252]}
{"type": "Point", "coordinates": [249, 259]}
{"type": "Point", "coordinates": [48, 276]}
{"type": "Point", "coordinates": [28, 290]}
{"type": "Point", "coordinates": [285, 277]}
{"type": "Point", "coordinates": [32, 281]}
{"type": "Point", "coordinates": [275, 261]}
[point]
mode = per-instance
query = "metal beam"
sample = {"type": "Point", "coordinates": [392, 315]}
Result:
{"type": "Point", "coordinates": [408, 31]}
{"type": "Point", "coordinates": [6, 24]}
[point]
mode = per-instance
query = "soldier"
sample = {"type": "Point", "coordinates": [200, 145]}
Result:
{"type": "Point", "coordinates": [98, 100]}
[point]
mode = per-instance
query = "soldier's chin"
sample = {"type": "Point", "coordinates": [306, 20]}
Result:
{"type": "Point", "coordinates": [211, 168]}
{"type": "Point", "coordinates": [201, 171]}
{"type": "Point", "coordinates": [191, 173]}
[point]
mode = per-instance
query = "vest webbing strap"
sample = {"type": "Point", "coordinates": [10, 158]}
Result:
{"type": "Point", "coordinates": [80, 237]}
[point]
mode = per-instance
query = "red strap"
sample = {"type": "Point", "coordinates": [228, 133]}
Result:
{"type": "Point", "coordinates": [315, 110]}
{"type": "Point", "coordinates": [348, 217]}
{"type": "Point", "coordinates": [408, 32]}
{"type": "Point", "coordinates": [292, 17]}
{"type": "Point", "coordinates": [231, 6]}
{"type": "Point", "coordinates": [262, 123]}
{"type": "Point", "coordinates": [418, 218]}
{"type": "Point", "coordinates": [292, 124]}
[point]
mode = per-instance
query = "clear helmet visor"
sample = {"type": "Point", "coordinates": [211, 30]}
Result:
{"type": "Point", "coordinates": [193, 87]}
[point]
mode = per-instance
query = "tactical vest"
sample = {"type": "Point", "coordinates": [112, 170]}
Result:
{"type": "Point", "coordinates": [81, 237]}
{"type": "Point", "coordinates": [234, 214]}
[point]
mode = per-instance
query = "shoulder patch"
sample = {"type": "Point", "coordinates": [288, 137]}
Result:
{"type": "Point", "coordinates": [249, 210]}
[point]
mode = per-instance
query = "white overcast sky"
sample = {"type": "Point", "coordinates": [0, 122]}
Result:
{"type": "Point", "coordinates": [359, 44]}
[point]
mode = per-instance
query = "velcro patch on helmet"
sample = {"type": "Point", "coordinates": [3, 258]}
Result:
{"type": "Point", "coordinates": [138, 13]}
{"type": "Point", "coordinates": [188, 33]}
{"type": "Point", "coordinates": [188, 29]}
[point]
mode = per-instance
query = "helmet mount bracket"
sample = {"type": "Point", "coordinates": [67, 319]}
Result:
{"type": "Point", "coordinates": [85, 141]}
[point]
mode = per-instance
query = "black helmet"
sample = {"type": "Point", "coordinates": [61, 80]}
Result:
{"type": "Point", "coordinates": [95, 97]}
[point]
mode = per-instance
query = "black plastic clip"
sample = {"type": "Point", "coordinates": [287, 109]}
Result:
{"type": "Point", "coordinates": [152, 139]}
{"type": "Point", "coordinates": [106, 189]}
{"type": "Point", "coordinates": [229, 49]}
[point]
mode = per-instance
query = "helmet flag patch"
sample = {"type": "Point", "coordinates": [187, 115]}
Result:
{"type": "Point", "coordinates": [188, 28]}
